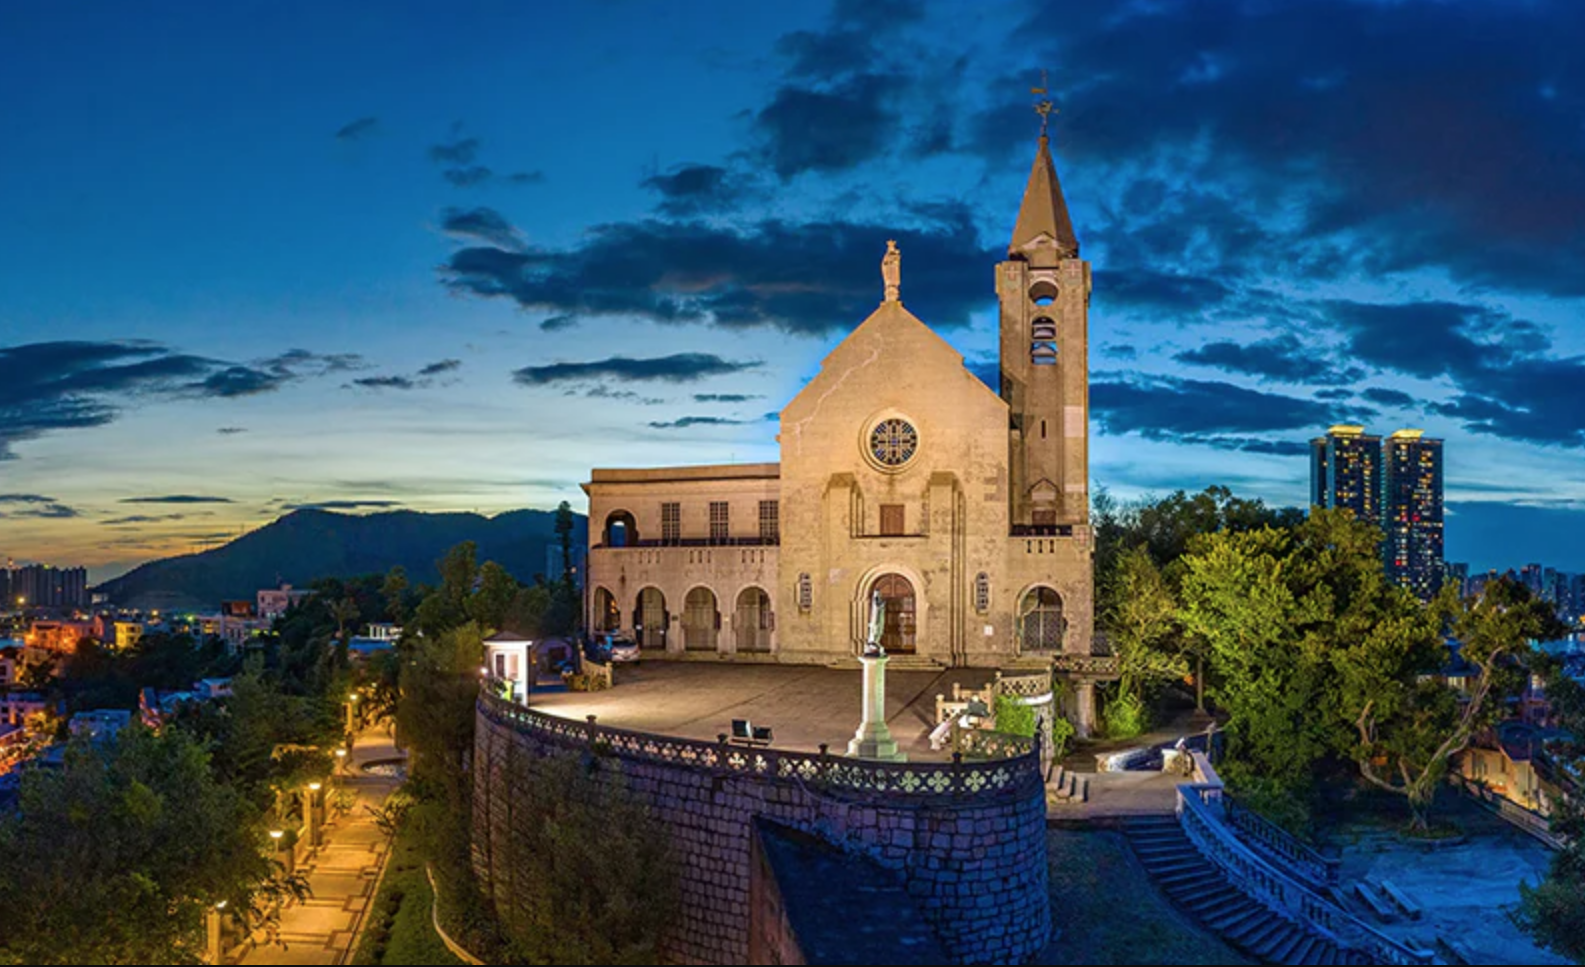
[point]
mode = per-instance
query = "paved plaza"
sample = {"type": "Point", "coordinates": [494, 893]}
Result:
{"type": "Point", "coordinates": [803, 705]}
{"type": "Point", "coordinates": [341, 873]}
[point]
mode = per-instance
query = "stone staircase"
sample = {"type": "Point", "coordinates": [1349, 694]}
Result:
{"type": "Point", "coordinates": [1201, 889]}
{"type": "Point", "coordinates": [1067, 787]}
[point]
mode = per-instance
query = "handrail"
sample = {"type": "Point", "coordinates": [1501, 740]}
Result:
{"type": "Point", "coordinates": [1300, 858]}
{"type": "Point", "coordinates": [1024, 686]}
{"type": "Point", "coordinates": [1200, 812]}
{"type": "Point", "coordinates": [1016, 774]}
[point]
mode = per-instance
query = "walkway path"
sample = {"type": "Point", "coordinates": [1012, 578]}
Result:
{"type": "Point", "coordinates": [342, 873]}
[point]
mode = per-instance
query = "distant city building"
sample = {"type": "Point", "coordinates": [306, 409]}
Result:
{"type": "Point", "coordinates": [1412, 511]}
{"type": "Point", "coordinates": [43, 586]}
{"type": "Point", "coordinates": [1345, 471]}
{"type": "Point", "coordinates": [1456, 573]}
{"type": "Point", "coordinates": [274, 602]}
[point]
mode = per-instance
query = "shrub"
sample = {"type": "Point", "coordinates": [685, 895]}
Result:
{"type": "Point", "coordinates": [1126, 717]}
{"type": "Point", "coordinates": [1013, 717]}
{"type": "Point", "coordinates": [1062, 733]}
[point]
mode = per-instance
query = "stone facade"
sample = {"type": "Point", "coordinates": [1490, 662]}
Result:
{"type": "Point", "coordinates": [902, 474]}
{"type": "Point", "coordinates": [969, 847]}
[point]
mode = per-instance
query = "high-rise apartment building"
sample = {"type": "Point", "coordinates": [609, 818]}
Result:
{"type": "Point", "coordinates": [42, 586]}
{"type": "Point", "coordinates": [1345, 471]}
{"type": "Point", "coordinates": [1412, 511]}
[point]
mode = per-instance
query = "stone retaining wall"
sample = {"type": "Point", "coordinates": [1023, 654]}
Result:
{"type": "Point", "coordinates": [968, 841]}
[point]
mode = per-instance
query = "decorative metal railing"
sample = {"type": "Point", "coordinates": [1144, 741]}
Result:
{"type": "Point", "coordinates": [1016, 772]}
{"type": "Point", "coordinates": [1200, 811]}
{"type": "Point", "coordinates": [989, 744]}
{"type": "Point", "coordinates": [1100, 666]}
{"type": "Point", "coordinates": [1298, 857]}
{"type": "Point", "coordinates": [1024, 686]}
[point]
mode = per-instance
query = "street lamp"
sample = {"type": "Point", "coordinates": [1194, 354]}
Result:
{"type": "Point", "coordinates": [341, 761]}
{"type": "Point", "coordinates": [352, 710]}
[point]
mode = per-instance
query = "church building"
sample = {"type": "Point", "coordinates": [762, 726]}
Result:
{"type": "Point", "coordinates": [901, 473]}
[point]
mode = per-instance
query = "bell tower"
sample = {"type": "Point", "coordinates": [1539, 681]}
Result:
{"type": "Point", "coordinates": [1044, 291]}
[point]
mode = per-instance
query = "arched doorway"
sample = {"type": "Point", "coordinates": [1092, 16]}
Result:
{"type": "Point", "coordinates": [650, 619]}
{"type": "Point", "coordinates": [606, 616]}
{"type": "Point", "coordinates": [897, 594]}
{"type": "Point", "coordinates": [620, 529]}
{"type": "Point", "coordinates": [700, 620]}
{"type": "Point", "coordinates": [1040, 621]}
{"type": "Point", "coordinates": [752, 621]}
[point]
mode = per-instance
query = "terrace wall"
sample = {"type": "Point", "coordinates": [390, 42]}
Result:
{"type": "Point", "coordinates": [967, 840]}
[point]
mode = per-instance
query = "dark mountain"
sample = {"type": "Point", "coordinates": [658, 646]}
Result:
{"type": "Point", "coordinates": [309, 544]}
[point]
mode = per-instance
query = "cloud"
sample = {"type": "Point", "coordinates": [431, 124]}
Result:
{"type": "Point", "coordinates": [1198, 411]}
{"type": "Point", "coordinates": [142, 519]}
{"type": "Point", "coordinates": [1159, 292]}
{"type": "Point", "coordinates": [468, 177]}
{"type": "Point", "coordinates": [1388, 397]}
{"type": "Point", "coordinates": [442, 366]}
{"type": "Point", "coordinates": [178, 499]}
{"type": "Point", "coordinates": [231, 430]}
{"type": "Point", "coordinates": [34, 506]}
{"type": "Point", "coordinates": [1120, 351]}
{"type": "Point", "coordinates": [386, 382]}
{"type": "Point", "coordinates": [693, 189]}
{"type": "Point", "coordinates": [356, 130]}
{"type": "Point", "coordinates": [682, 423]}
{"type": "Point", "coordinates": [343, 505]}
{"type": "Point", "coordinates": [51, 386]}
{"type": "Point", "coordinates": [558, 322]}
{"type": "Point", "coordinates": [833, 129]}
{"type": "Point", "coordinates": [676, 368]}
{"type": "Point", "coordinates": [604, 392]}
{"type": "Point", "coordinates": [269, 375]}
{"type": "Point", "coordinates": [526, 177]}
{"type": "Point", "coordinates": [1281, 358]}
{"type": "Point", "coordinates": [808, 278]}
{"type": "Point", "coordinates": [424, 378]}
{"type": "Point", "coordinates": [1506, 383]}
{"type": "Point", "coordinates": [457, 153]}
{"type": "Point", "coordinates": [481, 225]}
{"type": "Point", "coordinates": [1375, 137]}
{"type": "Point", "coordinates": [725, 397]}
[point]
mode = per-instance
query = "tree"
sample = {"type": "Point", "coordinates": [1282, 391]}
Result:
{"type": "Point", "coordinates": [115, 857]}
{"type": "Point", "coordinates": [1553, 912]}
{"type": "Point", "coordinates": [493, 599]}
{"type": "Point", "coordinates": [440, 684]}
{"type": "Point", "coordinates": [1141, 623]}
{"type": "Point", "coordinates": [1409, 727]}
{"type": "Point", "coordinates": [564, 524]}
{"type": "Point", "coordinates": [393, 591]}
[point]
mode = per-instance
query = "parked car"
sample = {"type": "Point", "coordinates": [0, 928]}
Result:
{"type": "Point", "coordinates": [621, 649]}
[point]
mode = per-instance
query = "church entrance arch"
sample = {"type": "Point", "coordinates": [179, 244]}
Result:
{"type": "Point", "coordinates": [1041, 624]}
{"type": "Point", "coordinates": [899, 636]}
{"type": "Point", "coordinates": [650, 619]}
{"type": "Point", "coordinates": [700, 620]}
{"type": "Point", "coordinates": [607, 616]}
{"type": "Point", "coordinates": [752, 620]}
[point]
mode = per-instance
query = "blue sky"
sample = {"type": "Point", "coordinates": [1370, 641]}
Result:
{"type": "Point", "coordinates": [267, 255]}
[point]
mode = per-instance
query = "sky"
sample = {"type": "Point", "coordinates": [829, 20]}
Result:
{"type": "Point", "coordinates": [261, 256]}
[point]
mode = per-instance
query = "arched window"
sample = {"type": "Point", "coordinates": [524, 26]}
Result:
{"type": "Point", "coordinates": [1040, 622]}
{"type": "Point", "coordinates": [620, 529]}
{"type": "Point", "coordinates": [700, 620]}
{"type": "Point", "coordinates": [607, 616]}
{"type": "Point", "coordinates": [1043, 292]}
{"type": "Point", "coordinates": [1043, 341]}
{"type": "Point", "coordinates": [650, 619]}
{"type": "Point", "coordinates": [752, 620]}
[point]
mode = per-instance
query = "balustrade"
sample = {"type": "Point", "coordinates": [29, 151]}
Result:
{"type": "Point", "coordinates": [1011, 764]}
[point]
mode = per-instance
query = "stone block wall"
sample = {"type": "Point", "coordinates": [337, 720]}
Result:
{"type": "Point", "coordinates": [974, 862]}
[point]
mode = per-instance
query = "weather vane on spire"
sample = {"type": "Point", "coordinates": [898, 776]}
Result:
{"type": "Point", "coordinates": [1043, 107]}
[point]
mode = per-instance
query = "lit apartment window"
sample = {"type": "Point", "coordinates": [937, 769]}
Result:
{"type": "Point", "coordinates": [718, 520]}
{"type": "Point", "coordinates": [671, 522]}
{"type": "Point", "coordinates": [769, 521]}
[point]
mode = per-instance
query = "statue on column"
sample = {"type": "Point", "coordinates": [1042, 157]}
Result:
{"type": "Point", "coordinates": [892, 270]}
{"type": "Point", "coordinates": [872, 643]}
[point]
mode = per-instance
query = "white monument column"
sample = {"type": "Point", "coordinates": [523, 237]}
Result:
{"type": "Point", "coordinates": [873, 740]}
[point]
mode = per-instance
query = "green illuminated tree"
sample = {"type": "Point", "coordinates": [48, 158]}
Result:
{"type": "Point", "coordinates": [115, 857]}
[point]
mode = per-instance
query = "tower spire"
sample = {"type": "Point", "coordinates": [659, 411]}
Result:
{"type": "Point", "coordinates": [1044, 211]}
